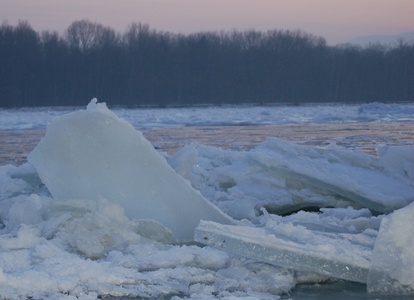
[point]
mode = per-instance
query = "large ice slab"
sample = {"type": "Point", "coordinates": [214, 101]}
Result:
{"type": "Point", "coordinates": [392, 262]}
{"type": "Point", "coordinates": [350, 174]}
{"type": "Point", "coordinates": [92, 154]}
{"type": "Point", "coordinates": [335, 255]}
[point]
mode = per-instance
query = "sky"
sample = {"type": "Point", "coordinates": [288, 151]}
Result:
{"type": "Point", "coordinates": [338, 21]}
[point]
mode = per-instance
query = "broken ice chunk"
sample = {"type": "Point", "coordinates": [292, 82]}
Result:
{"type": "Point", "coordinates": [92, 154]}
{"type": "Point", "coordinates": [335, 255]}
{"type": "Point", "coordinates": [355, 176]}
{"type": "Point", "coordinates": [392, 262]}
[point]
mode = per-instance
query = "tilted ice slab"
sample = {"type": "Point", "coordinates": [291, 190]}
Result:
{"type": "Point", "coordinates": [93, 154]}
{"type": "Point", "coordinates": [294, 247]}
{"type": "Point", "coordinates": [355, 176]}
{"type": "Point", "coordinates": [384, 260]}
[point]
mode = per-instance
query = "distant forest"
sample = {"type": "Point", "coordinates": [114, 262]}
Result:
{"type": "Point", "coordinates": [145, 67]}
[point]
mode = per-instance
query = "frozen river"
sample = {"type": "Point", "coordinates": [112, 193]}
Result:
{"type": "Point", "coordinates": [345, 168]}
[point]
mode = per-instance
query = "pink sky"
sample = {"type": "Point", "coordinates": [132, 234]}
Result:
{"type": "Point", "coordinates": [336, 20]}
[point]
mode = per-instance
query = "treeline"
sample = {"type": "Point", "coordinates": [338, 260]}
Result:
{"type": "Point", "coordinates": [144, 67]}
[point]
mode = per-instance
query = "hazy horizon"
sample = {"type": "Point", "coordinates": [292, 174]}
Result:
{"type": "Point", "coordinates": [336, 22]}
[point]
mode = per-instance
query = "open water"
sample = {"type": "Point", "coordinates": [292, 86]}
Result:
{"type": "Point", "coordinates": [15, 145]}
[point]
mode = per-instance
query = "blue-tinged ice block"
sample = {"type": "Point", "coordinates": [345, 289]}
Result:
{"type": "Point", "coordinates": [392, 262]}
{"type": "Point", "coordinates": [344, 256]}
{"type": "Point", "coordinates": [92, 154]}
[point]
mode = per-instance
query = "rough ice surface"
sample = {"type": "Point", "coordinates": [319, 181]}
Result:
{"type": "Point", "coordinates": [352, 175]}
{"type": "Point", "coordinates": [282, 176]}
{"type": "Point", "coordinates": [91, 248]}
{"type": "Point", "coordinates": [85, 249]}
{"type": "Point", "coordinates": [92, 154]}
{"type": "Point", "coordinates": [392, 262]}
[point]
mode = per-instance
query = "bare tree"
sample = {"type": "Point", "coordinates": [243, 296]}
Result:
{"type": "Point", "coordinates": [86, 35]}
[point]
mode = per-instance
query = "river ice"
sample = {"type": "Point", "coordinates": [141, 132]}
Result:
{"type": "Point", "coordinates": [85, 247]}
{"type": "Point", "coordinates": [92, 154]}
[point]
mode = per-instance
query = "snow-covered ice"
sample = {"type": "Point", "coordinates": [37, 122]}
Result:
{"type": "Point", "coordinates": [79, 248]}
{"type": "Point", "coordinates": [282, 176]}
{"type": "Point", "coordinates": [58, 241]}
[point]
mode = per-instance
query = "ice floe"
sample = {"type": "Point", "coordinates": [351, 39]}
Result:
{"type": "Point", "coordinates": [93, 154]}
